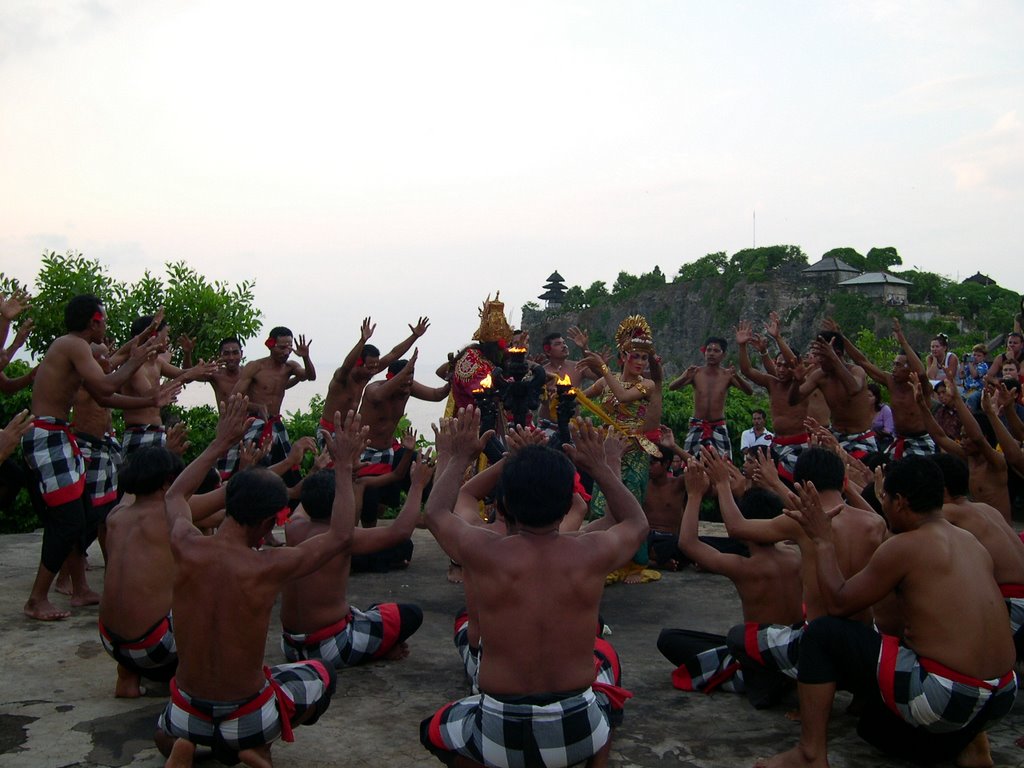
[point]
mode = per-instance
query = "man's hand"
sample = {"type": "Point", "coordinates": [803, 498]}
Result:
{"type": "Point", "coordinates": [716, 467]}
{"type": "Point", "coordinates": [167, 393]}
{"type": "Point", "coordinates": [302, 346]}
{"type": "Point", "coordinates": [323, 460]}
{"type": "Point", "coordinates": [587, 448]}
{"type": "Point", "coordinates": [666, 438]}
{"type": "Point", "coordinates": [10, 436]}
{"type": "Point", "coordinates": [519, 437]}
{"type": "Point", "coordinates": [177, 439]}
{"type": "Point", "coordinates": [766, 473]}
{"type": "Point", "coordinates": [421, 327]}
{"type": "Point", "coordinates": [823, 348]}
{"type": "Point", "coordinates": [13, 305]}
{"type": "Point", "coordinates": [696, 479]}
{"type": "Point", "coordinates": [349, 439]}
{"type": "Point", "coordinates": [759, 343]}
{"type": "Point", "coordinates": [772, 326]}
{"type": "Point", "coordinates": [300, 448]}
{"type": "Point", "coordinates": [366, 330]}
{"type": "Point", "coordinates": [422, 469]}
{"type": "Point", "coordinates": [186, 344]}
{"type": "Point", "coordinates": [19, 338]}
{"type": "Point", "coordinates": [202, 368]}
{"type": "Point", "coordinates": [233, 420]}
{"type": "Point", "coordinates": [744, 333]}
{"type": "Point", "coordinates": [579, 337]}
{"type": "Point", "coordinates": [897, 329]}
{"type": "Point", "coordinates": [251, 453]}
{"type": "Point", "coordinates": [467, 441]}
{"type": "Point", "coordinates": [615, 445]}
{"type": "Point", "coordinates": [409, 439]}
{"type": "Point", "coordinates": [805, 507]}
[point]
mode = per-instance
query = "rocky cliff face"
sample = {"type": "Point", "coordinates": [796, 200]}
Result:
{"type": "Point", "coordinates": [683, 315]}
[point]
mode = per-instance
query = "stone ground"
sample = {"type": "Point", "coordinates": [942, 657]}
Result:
{"type": "Point", "coordinates": [57, 706]}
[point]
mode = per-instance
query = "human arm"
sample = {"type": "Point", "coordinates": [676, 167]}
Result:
{"type": "Point", "coordinates": [971, 427]}
{"type": "Point", "coordinates": [1012, 451]}
{"type": "Point", "coordinates": [10, 436]}
{"type": "Point", "coordinates": [415, 331]}
{"type": "Point", "coordinates": [95, 381]}
{"type": "Point", "coordinates": [10, 307]}
{"type": "Point", "coordinates": [431, 394]}
{"type": "Point", "coordinates": [938, 434]}
{"type": "Point", "coordinates": [772, 328]}
{"type": "Point", "coordinates": [853, 382]}
{"type": "Point", "coordinates": [737, 381]}
{"type": "Point", "coordinates": [766, 474]}
{"type": "Point", "coordinates": [737, 526]}
{"type": "Point", "coordinates": [305, 372]}
{"type": "Point", "coordinates": [684, 379]}
{"type": "Point", "coordinates": [704, 555]}
{"type": "Point", "coordinates": [744, 336]}
{"type": "Point", "coordinates": [623, 395]}
{"type": "Point", "coordinates": [355, 354]}
{"type": "Point", "coordinates": [859, 358]}
{"type": "Point", "coordinates": [1006, 403]}
{"type": "Point", "coordinates": [367, 540]}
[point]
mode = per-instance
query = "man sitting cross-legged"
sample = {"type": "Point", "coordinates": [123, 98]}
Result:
{"type": "Point", "coordinates": [223, 696]}
{"type": "Point", "coordinates": [532, 585]}
{"type": "Point", "coordinates": [929, 696]}
{"type": "Point", "coordinates": [318, 621]}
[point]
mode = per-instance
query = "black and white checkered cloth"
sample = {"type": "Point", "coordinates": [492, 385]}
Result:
{"type": "Point", "coordinates": [470, 656]}
{"type": "Point", "coordinates": [773, 646]}
{"type": "Point", "coordinates": [52, 452]}
{"type": "Point", "coordinates": [102, 460]}
{"type": "Point", "coordinates": [708, 671]}
{"type": "Point", "coordinates": [153, 654]}
{"type": "Point", "coordinates": [360, 637]}
{"type": "Point", "coordinates": [713, 434]}
{"type": "Point", "coordinates": [141, 436]}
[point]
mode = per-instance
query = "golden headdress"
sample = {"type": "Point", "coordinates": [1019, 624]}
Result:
{"type": "Point", "coordinates": [634, 333]}
{"type": "Point", "coordinates": [493, 325]}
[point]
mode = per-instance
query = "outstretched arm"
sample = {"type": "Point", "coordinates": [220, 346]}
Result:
{"type": "Point", "coordinates": [401, 348]}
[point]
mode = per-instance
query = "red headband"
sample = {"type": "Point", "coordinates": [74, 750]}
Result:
{"type": "Point", "coordinates": [502, 344]}
{"type": "Point", "coordinates": [271, 342]}
{"type": "Point", "coordinates": [97, 315]}
{"type": "Point", "coordinates": [281, 517]}
{"type": "Point", "coordinates": [389, 376]}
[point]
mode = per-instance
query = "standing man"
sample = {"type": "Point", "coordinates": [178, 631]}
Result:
{"type": "Point", "coordinates": [52, 452]}
{"type": "Point", "coordinates": [264, 381]}
{"type": "Point", "coordinates": [758, 434]}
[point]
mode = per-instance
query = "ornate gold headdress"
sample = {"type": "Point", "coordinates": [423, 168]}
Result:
{"type": "Point", "coordinates": [634, 333]}
{"type": "Point", "coordinates": [493, 325]}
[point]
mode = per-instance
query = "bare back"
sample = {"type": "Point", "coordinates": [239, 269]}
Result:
{"type": "Point", "coordinates": [345, 390]}
{"type": "Point", "coordinates": [851, 414]}
{"type": "Point", "coordinates": [769, 584]}
{"type": "Point", "coordinates": [988, 483]}
{"type": "Point", "coordinates": [58, 377]}
{"type": "Point", "coordinates": [381, 412]}
{"type": "Point", "coordinates": [319, 599]}
{"type": "Point", "coordinates": [663, 503]}
{"type": "Point", "coordinates": [995, 534]}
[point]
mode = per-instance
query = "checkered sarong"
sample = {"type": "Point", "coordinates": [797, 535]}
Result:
{"type": "Point", "coordinates": [928, 695]}
{"type": "Point", "coordinates": [102, 460]}
{"type": "Point", "coordinates": [233, 726]}
{"type": "Point", "coordinates": [857, 444]}
{"type": "Point", "coordinates": [357, 638]}
{"type": "Point", "coordinates": [52, 452]}
{"type": "Point", "coordinates": [708, 671]}
{"type": "Point", "coordinates": [713, 434]}
{"type": "Point", "coordinates": [470, 656]}
{"type": "Point", "coordinates": [142, 436]}
{"type": "Point", "coordinates": [552, 731]}
{"type": "Point", "coordinates": [153, 654]}
{"type": "Point", "coordinates": [279, 445]}
{"type": "Point", "coordinates": [913, 445]}
{"type": "Point", "coordinates": [774, 646]}
{"type": "Point", "coordinates": [787, 449]}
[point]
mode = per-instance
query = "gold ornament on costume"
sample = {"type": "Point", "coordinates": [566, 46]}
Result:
{"type": "Point", "coordinates": [493, 325]}
{"type": "Point", "coordinates": [634, 333]}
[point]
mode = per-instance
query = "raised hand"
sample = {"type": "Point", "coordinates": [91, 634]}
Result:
{"type": "Point", "coordinates": [696, 479]}
{"type": "Point", "coordinates": [422, 469]}
{"type": "Point", "coordinates": [366, 329]}
{"type": "Point", "coordinates": [772, 326]}
{"type": "Point", "coordinates": [349, 439]}
{"type": "Point", "coordinates": [578, 336]}
{"type": "Point", "coordinates": [13, 305]}
{"type": "Point", "coordinates": [587, 449]}
{"type": "Point", "coordinates": [299, 449]}
{"type": "Point", "coordinates": [251, 453]}
{"type": "Point", "coordinates": [409, 439]}
{"type": "Point", "coordinates": [177, 439]}
{"type": "Point", "coordinates": [805, 507]}
{"type": "Point", "coordinates": [185, 343]}
{"type": "Point", "coordinates": [19, 338]}
{"type": "Point", "coordinates": [421, 327]}
{"type": "Point", "coordinates": [716, 467]}
{"type": "Point", "coordinates": [322, 460]}
{"type": "Point", "coordinates": [10, 436]}
{"type": "Point", "coordinates": [744, 332]}
{"type": "Point", "coordinates": [302, 346]}
{"type": "Point", "coordinates": [234, 420]}
{"type": "Point", "coordinates": [167, 393]}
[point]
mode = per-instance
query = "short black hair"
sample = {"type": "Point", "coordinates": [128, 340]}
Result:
{"type": "Point", "coordinates": [716, 340]}
{"type": "Point", "coordinates": [760, 504]}
{"type": "Point", "coordinates": [79, 311]}
{"type": "Point", "coordinates": [228, 340]}
{"type": "Point", "coordinates": [759, 410]}
{"type": "Point", "coordinates": [917, 479]}
{"type": "Point", "coordinates": [318, 494]}
{"type": "Point", "coordinates": [280, 330]}
{"type": "Point", "coordinates": [955, 474]}
{"type": "Point", "coordinates": [821, 467]}
{"type": "Point", "coordinates": [254, 495]}
{"type": "Point", "coordinates": [546, 341]}
{"type": "Point", "coordinates": [139, 324]}
{"type": "Point", "coordinates": [397, 367]}
{"type": "Point", "coordinates": [147, 469]}
{"type": "Point", "coordinates": [835, 339]}
{"type": "Point", "coordinates": [536, 486]}
{"type": "Point", "coordinates": [369, 350]}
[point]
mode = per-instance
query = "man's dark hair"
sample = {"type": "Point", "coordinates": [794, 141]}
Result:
{"type": "Point", "coordinates": [716, 340]}
{"type": "Point", "coordinates": [369, 351]}
{"type": "Point", "coordinates": [835, 339]}
{"type": "Point", "coordinates": [1012, 384]}
{"type": "Point", "coordinates": [147, 469]}
{"type": "Point", "coordinates": [759, 410]}
{"type": "Point", "coordinates": [397, 367]}
{"type": "Point", "coordinates": [79, 311]}
{"type": "Point", "coordinates": [546, 342]}
{"type": "Point", "coordinates": [228, 340]}
{"type": "Point", "coordinates": [254, 495]}
{"type": "Point", "coordinates": [280, 330]}
{"type": "Point", "coordinates": [821, 467]}
{"type": "Point", "coordinates": [955, 474]}
{"type": "Point", "coordinates": [939, 385]}
{"type": "Point", "coordinates": [318, 494]}
{"type": "Point", "coordinates": [536, 486]}
{"type": "Point", "coordinates": [139, 324]}
{"type": "Point", "coordinates": [1017, 334]}
{"type": "Point", "coordinates": [760, 504]}
{"type": "Point", "coordinates": [917, 479]}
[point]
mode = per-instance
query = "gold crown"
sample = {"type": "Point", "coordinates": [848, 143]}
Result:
{"type": "Point", "coordinates": [493, 325]}
{"type": "Point", "coordinates": [634, 333]}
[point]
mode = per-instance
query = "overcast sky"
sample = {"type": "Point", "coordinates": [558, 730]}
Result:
{"type": "Point", "coordinates": [398, 159]}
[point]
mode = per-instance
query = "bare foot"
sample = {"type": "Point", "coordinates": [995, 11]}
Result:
{"type": "Point", "coordinates": [455, 573]}
{"type": "Point", "coordinates": [794, 758]}
{"type": "Point", "coordinates": [87, 597]}
{"type": "Point", "coordinates": [181, 754]}
{"type": "Point", "coordinates": [256, 758]}
{"type": "Point", "coordinates": [44, 610]}
{"type": "Point", "coordinates": [63, 584]}
{"type": "Point", "coordinates": [977, 754]}
{"type": "Point", "coordinates": [397, 653]}
{"type": "Point", "coordinates": [127, 686]}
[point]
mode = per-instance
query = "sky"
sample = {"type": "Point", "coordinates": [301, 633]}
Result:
{"type": "Point", "coordinates": [399, 159]}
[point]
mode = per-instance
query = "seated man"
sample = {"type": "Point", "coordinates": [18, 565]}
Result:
{"type": "Point", "coordinates": [223, 696]}
{"type": "Point", "coordinates": [931, 695]}
{"type": "Point", "coordinates": [318, 621]}
{"type": "Point", "coordinates": [539, 701]}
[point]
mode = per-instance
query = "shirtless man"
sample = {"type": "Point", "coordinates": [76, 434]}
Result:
{"type": "Point", "coordinates": [912, 438]}
{"type": "Point", "coordinates": [317, 620]}
{"type": "Point", "coordinates": [860, 532]}
{"type": "Point", "coordinates": [769, 587]}
{"type": "Point", "coordinates": [531, 586]}
{"type": "Point", "coordinates": [358, 367]}
{"type": "Point", "coordinates": [710, 384]}
{"type": "Point", "coordinates": [143, 424]}
{"type": "Point", "coordinates": [845, 388]}
{"type": "Point", "coordinates": [382, 407]}
{"type": "Point", "coordinates": [52, 453]}
{"type": "Point", "coordinates": [221, 633]}
{"type": "Point", "coordinates": [987, 465]}
{"type": "Point", "coordinates": [790, 438]}
{"type": "Point", "coordinates": [956, 631]}
{"type": "Point", "coordinates": [264, 382]}
{"type": "Point", "coordinates": [663, 506]}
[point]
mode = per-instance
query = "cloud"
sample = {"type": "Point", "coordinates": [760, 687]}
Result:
{"type": "Point", "coordinates": [992, 159]}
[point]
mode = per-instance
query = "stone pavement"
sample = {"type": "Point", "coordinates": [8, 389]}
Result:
{"type": "Point", "coordinates": [57, 706]}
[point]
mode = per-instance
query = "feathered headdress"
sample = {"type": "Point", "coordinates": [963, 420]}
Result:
{"type": "Point", "coordinates": [493, 325]}
{"type": "Point", "coordinates": [634, 333]}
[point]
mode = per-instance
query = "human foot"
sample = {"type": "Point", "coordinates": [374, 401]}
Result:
{"type": "Point", "coordinates": [977, 754]}
{"type": "Point", "coordinates": [181, 754]}
{"type": "Point", "coordinates": [85, 597]}
{"type": "Point", "coordinates": [397, 653]}
{"type": "Point", "coordinates": [256, 758]}
{"type": "Point", "coordinates": [63, 584]}
{"type": "Point", "coordinates": [455, 573]}
{"type": "Point", "coordinates": [794, 758]}
{"type": "Point", "coordinates": [127, 686]}
{"type": "Point", "coordinates": [44, 610]}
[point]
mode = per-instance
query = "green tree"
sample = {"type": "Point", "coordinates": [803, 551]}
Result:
{"type": "Point", "coordinates": [850, 255]}
{"type": "Point", "coordinates": [711, 265]}
{"type": "Point", "coordinates": [756, 264]}
{"type": "Point", "coordinates": [623, 283]}
{"type": "Point", "coordinates": [574, 298]}
{"type": "Point", "coordinates": [595, 294]}
{"type": "Point", "coordinates": [882, 259]}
